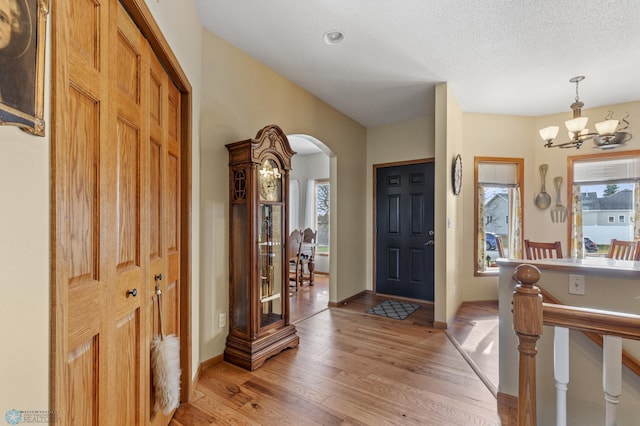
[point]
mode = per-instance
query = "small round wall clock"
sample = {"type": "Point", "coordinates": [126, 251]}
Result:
{"type": "Point", "coordinates": [456, 175]}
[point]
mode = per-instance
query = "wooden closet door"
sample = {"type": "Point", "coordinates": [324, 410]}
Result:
{"type": "Point", "coordinates": [83, 233]}
{"type": "Point", "coordinates": [116, 220]}
{"type": "Point", "coordinates": [164, 211]}
{"type": "Point", "coordinates": [127, 144]}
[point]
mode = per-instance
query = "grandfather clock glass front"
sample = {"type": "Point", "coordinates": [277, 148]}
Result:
{"type": "Point", "coordinates": [270, 250]}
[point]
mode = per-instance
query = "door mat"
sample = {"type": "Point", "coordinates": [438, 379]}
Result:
{"type": "Point", "coordinates": [393, 309]}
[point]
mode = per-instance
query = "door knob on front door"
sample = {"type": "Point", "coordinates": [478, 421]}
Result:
{"type": "Point", "coordinates": [430, 242]}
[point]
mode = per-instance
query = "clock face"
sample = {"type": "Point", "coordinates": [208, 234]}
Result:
{"type": "Point", "coordinates": [456, 175]}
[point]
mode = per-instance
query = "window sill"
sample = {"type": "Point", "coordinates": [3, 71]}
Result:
{"type": "Point", "coordinates": [493, 272]}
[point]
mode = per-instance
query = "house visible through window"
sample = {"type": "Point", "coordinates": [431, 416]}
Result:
{"type": "Point", "coordinates": [605, 191]}
{"type": "Point", "coordinates": [498, 185]}
{"type": "Point", "coordinates": [322, 215]}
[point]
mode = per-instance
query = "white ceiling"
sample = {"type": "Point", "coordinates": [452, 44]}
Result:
{"type": "Point", "coordinates": [498, 56]}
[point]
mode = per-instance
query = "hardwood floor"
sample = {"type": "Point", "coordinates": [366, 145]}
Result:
{"type": "Point", "coordinates": [350, 368]}
{"type": "Point", "coordinates": [309, 299]}
{"type": "Point", "coordinates": [475, 329]}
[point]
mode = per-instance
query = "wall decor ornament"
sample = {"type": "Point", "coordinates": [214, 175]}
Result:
{"type": "Point", "coordinates": [22, 53]}
{"type": "Point", "coordinates": [456, 175]}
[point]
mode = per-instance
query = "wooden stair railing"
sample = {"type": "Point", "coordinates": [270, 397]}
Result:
{"type": "Point", "coordinates": [530, 314]}
{"type": "Point", "coordinates": [628, 360]}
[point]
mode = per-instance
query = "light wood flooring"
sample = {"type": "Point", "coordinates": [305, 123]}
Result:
{"type": "Point", "coordinates": [475, 329]}
{"type": "Point", "coordinates": [350, 368]}
{"type": "Point", "coordinates": [309, 299]}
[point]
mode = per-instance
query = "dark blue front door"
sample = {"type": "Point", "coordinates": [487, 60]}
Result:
{"type": "Point", "coordinates": [404, 234]}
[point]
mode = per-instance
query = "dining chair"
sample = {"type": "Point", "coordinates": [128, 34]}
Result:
{"type": "Point", "coordinates": [293, 256]}
{"type": "Point", "coordinates": [538, 250]}
{"type": "Point", "coordinates": [499, 247]}
{"type": "Point", "coordinates": [624, 250]}
{"type": "Point", "coordinates": [307, 255]}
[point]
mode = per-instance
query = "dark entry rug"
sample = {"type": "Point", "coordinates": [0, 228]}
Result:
{"type": "Point", "coordinates": [393, 309]}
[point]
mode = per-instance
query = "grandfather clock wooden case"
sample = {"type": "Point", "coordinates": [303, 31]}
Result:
{"type": "Point", "coordinates": [259, 269]}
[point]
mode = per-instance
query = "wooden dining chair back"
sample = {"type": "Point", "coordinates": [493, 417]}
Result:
{"type": "Point", "coordinates": [537, 250]}
{"type": "Point", "coordinates": [499, 246]}
{"type": "Point", "coordinates": [624, 250]}
{"type": "Point", "coordinates": [293, 256]}
{"type": "Point", "coordinates": [307, 255]}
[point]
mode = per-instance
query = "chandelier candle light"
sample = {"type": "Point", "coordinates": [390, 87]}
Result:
{"type": "Point", "coordinates": [609, 133]}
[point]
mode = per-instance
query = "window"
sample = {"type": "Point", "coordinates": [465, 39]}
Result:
{"type": "Point", "coordinates": [605, 190]}
{"type": "Point", "coordinates": [322, 215]}
{"type": "Point", "coordinates": [498, 185]}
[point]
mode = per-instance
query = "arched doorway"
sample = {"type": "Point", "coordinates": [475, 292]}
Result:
{"type": "Point", "coordinates": [309, 209]}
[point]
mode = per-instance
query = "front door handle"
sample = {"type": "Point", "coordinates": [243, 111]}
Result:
{"type": "Point", "coordinates": [429, 243]}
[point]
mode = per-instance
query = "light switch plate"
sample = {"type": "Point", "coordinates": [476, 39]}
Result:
{"type": "Point", "coordinates": [222, 320]}
{"type": "Point", "coordinates": [576, 284]}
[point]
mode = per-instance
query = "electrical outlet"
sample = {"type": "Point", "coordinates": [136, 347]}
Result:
{"type": "Point", "coordinates": [576, 284]}
{"type": "Point", "coordinates": [222, 320]}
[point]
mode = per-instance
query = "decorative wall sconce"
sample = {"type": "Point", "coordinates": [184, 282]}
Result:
{"type": "Point", "coordinates": [610, 133]}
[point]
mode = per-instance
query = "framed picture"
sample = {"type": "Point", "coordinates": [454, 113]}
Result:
{"type": "Point", "coordinates": [22, 48]}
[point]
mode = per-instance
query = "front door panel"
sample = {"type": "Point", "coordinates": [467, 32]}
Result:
{"type": "Point", "coordinates": [404, 222]}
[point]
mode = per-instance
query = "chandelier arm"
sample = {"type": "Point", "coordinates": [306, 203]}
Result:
{"type": "Point", "coordinates": [626, 123]}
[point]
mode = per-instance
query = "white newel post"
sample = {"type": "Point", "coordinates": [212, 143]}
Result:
{"type": "Point", "coordinates": [612, 376]}
{"type": "Point", "coordinates": [561, 372]}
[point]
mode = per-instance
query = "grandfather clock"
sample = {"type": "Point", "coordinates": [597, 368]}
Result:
{"type": "Point", "coordinates": [258, 267]}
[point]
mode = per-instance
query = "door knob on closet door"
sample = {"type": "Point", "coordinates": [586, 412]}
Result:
{"type": "Point", "coordinates": [133, 292]}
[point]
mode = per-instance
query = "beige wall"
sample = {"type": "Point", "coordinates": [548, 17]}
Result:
{"type": "Point", "coordinates": [449, 226]}
{"type": "Point", "coordinates": [240, 96]}
{"type": "Point", "coordinates": [491, 135]}
{"type": "Point", "coordinates": [390, 143]}
{"type": "Point", "coordinates": [24, 228]}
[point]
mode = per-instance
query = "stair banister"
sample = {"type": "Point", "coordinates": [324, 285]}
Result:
{"type": "Point", "coordinates": [530, 314]}
{"type": "Point", "coordinates": [527, 324]}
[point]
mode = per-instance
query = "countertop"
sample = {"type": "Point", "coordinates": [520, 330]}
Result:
{"type": "Point", "coordinates": [602, 266]}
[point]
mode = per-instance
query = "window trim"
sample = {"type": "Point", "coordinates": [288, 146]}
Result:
{"type": "Point", "coordinates": [519, 162]}
{"type": "Point", "coordinates": [602, 156]}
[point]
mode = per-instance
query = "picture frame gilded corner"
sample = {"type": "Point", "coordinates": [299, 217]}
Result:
{"type": "Point", "coordinates": [22, 61]}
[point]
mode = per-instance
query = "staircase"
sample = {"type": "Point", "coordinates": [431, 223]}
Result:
{"type": "Point", "coordinates": [530, 313]}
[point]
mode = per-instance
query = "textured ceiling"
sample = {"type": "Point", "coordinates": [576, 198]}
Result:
{"type": "Point", "coordinates": [502, 57]}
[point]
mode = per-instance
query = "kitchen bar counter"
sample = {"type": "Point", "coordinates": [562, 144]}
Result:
{"type": "Point", "coordinates": [597, 266]}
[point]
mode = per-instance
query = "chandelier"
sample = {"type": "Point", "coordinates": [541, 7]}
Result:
{"type": "Point", "coordinates": [610, 133]}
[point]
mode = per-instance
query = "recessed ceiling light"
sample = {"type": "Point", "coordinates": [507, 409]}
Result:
{"type": "Point", "coordinates": [333, 37]}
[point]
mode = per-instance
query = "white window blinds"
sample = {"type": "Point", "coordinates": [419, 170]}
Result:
{"type": "Point", "coordinates": [599, 171]}
{"type": "Point", "coordinates": [497, 173]}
